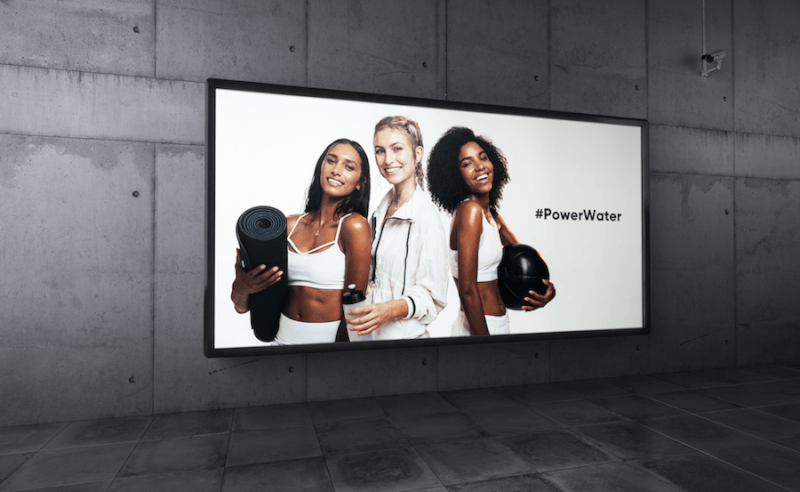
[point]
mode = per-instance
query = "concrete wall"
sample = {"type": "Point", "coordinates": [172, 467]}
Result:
{"type": "Point", "coordinates": [102, 165]}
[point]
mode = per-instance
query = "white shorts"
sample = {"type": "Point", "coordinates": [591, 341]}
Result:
{"type": "Point", "coordinates": [293, 332]}
{"type": "Point", "coordinates": [497, 325]}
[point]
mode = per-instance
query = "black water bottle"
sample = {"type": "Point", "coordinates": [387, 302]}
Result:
{"type": "Point", "coordinates": [351, 300]}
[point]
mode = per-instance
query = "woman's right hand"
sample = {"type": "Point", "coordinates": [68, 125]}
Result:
{"type": "Point", "coordinates": [246, 283]}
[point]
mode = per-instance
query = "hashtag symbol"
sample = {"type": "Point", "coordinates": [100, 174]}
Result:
{"type": "Point", "coordinates": [539, 214]}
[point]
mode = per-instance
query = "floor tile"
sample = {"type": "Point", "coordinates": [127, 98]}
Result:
{"type": "Point", "coordinates": [440, 427]}
{"type": "Point", "coordinates": [78, 487]}
{"type": "Point", "coordinates": [594, 388]}
{"type": "Point", "coordinates": [522, 483]}
{"type": "Point", "coordinates": [502, 421]}
{"type": "Point", "coordinates": [572, 413]}
{"type": "Point", "coordinates": [25, 438]}
{"type": "Point", "coordinates": [775, 371]}
{"type": "Point", "coordinates": [189, 424]}
{"type": "Point", "coordinates": [745, 395]}
{"type": "Point", "coordinates": [554, 450]}
{"type": "Point", "coordinates": [352, 436]}
{"type": "Point", "coordinates": [416, 404]}
{"type": "Point", "coordinates": [304, 475]}
{"type": "Point", "coordinates": [642, 384]}
{"type": "Point", "coordinates": [788, 388]}
{"type": "Point", "coordinates": [696, 431]}
{"type": "Point", "coordinates": [764, 459]}
{"type": "Point", "coordinates": [531, 394]}
{"type": "Point", "coordinates": [257, 418]}
{"type": "Point", "coordinates": [693, 401]}
{"type": "Point", "coordinates": [689, 380]}
{"type": "Point", "coordinates": [389, 470]}
{"type": "Point", "coordinates": [9, 463]}
{"type": "Point", "coordinates": [478, 398]}
{"type": "Point", "coordinates": [176, 454]}
{"type": "Point", "coordinates": [267, 445]}
{"type": "Point", "coordinates": [629, 440]}
{"type": "Point", "coordinates": [696, 472]}
{"type": "Point", "coordinates": [194, 481]}
{"type": "Point", "coordinates": [619, 477]}
{"type": "Point", "coordinates": [69, 466]}
{"type": "Point", "coordinates": [636, 407]}
{"type": "Point", "coordinates": [734, 375]}
{"type": "Point", "coordinates": [105, 431]}
{"type": "Point", "coordinates": [789, 411]}
{"type": "Point", "coordinates": [791, 443]}
{"type": "Point", "coordinates": [472, 461]}
{"type": "Point", "coordinates": [757, 423]}
{"type": "Point", "coordinates": [325, 412]}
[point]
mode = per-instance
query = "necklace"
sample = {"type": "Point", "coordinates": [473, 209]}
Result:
{"type": "Point", "coordinates": [321, 223]}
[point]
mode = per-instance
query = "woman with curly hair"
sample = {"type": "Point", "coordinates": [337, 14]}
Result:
{"type": "Point", "coordinates": [328, 249]}
{"type": "Point", "coordinates": [409, 246]}
{"type": "Point", "coordinates": [466, 176]}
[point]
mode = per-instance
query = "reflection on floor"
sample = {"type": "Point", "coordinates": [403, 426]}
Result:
{"type": "Point", "coordinates": [715, 430]}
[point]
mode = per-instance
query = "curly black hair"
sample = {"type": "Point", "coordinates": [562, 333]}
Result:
{"type": "Point", "coordinates": [444, 176]}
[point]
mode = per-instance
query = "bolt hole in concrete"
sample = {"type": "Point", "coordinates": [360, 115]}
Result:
{"type": "Point", "coordinates": [291, 369]}
{"type": "Point", "coordinates": [637, 348]}
{"type": "Point", "coordinates": [636, 87]}
{"type": "Point", "coordinates": [132, 379]}
{"type": "Point", "coordinates": [726, 212]}
{"type": "Point", "coordinates": [724, 98]}
{"type": "Point", "coordinates": [536, 355]}
{"type": "Point", "coordinates": [424, 362]}
{"type": "Point", "coordinates": [424, 64]}
{"type": "Point", "coordinates": [136, 29]}
{"type": "Point", "coordinates": [536, 78]}
{"type": "Point", "coordinates": [291, 48]}
{"type": "Point", "coordinates": [136, 194]}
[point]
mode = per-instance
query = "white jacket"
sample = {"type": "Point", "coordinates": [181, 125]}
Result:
{"type": "Point", "coordinates": [409, 261]}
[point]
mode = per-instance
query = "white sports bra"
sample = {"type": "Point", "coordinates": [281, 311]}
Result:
{"type": "Point", "coordinates": [324, 270]}
{"type": "Point", "coordinates": [490, 252]}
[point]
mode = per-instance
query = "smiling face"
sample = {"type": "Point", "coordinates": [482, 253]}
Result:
{"type": "Point", "coordinates": [340, 174]}
{"type": "Point", "coordinates": [395, 156]}
{"type": "Point", "coordinates": [476, 169]}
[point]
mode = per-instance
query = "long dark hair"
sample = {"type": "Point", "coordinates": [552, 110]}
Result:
{"type": "Point", "coordinates": [357, 201]}
{"type": "Point", "coordinates": [444, 176]}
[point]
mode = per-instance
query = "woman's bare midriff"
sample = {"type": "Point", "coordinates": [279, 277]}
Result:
{"type": "Point", "coordinates": [313, 305]}
{"type": "Point", "coordinates": [491, 301]}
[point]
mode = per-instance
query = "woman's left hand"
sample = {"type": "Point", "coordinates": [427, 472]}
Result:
{"type": "Point", "coordinates": [376, 315]}
{"type": "Point", "coordinates": [536, 301]}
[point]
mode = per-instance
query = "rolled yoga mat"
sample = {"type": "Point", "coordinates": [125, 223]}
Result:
{"type": "Point", "coordinates": [261, 232]}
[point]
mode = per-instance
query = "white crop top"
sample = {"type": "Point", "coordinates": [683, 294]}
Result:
{"type": "Point", "coordinates": [323, 270]}
{"type": "Point", "coordinates": [490, 252]}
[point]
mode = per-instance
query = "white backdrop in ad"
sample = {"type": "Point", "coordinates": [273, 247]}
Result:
{"type": "Point", "coordinates": [267, 146]}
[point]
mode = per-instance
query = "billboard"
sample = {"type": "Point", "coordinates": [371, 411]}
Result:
{"type": "Point", "coordinates": [576, 192]}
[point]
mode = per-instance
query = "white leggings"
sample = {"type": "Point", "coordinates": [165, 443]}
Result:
{"type": "Point", "coordinates": [293, 332]}
{"type": "Point", "coordinates": [497, 325]}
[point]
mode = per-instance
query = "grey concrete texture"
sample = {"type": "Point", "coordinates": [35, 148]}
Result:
{"type": "Point", "coordinates": [49, 102]}
{"type": "Point", "coordinates": [767, 156]}
{"type": "Point", "coordinates": [677, 94]}
{"type": "Point", "coordinates": [495, 364]}
{"type": "Point", "coordinates": [348, 374]}
{"type": "Point", "coordinates": [675, 149]}
{"type": "Point", "coordinates": [598, 57]}
{"type": "Point", "coordinates": [250, 40]}
{"type": "Point", "coordinates": [106, 36]}
{"type": "Point", "coordinates": [600, 357]}
{"type": "Point", "coordinates": [767, 266]}
{"type": "Point", "coordinates": [766, 82]}
{"type": "Point", "coordinates": [77, 278]}
{"type": "Point", "coordinates": [184, 379]}
{"type": "Point", "coordinates": [691, 272]}
{"type": "Point", "coordinates": [382, 46]}
{"type": "Point", "coordinates": [497, 53]}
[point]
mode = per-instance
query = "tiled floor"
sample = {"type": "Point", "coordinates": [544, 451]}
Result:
{"type": "Point", "coordinates": [717, 430]}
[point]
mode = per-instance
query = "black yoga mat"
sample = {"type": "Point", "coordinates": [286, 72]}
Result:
{"type": "Point", "coordinates": [261, 232]}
